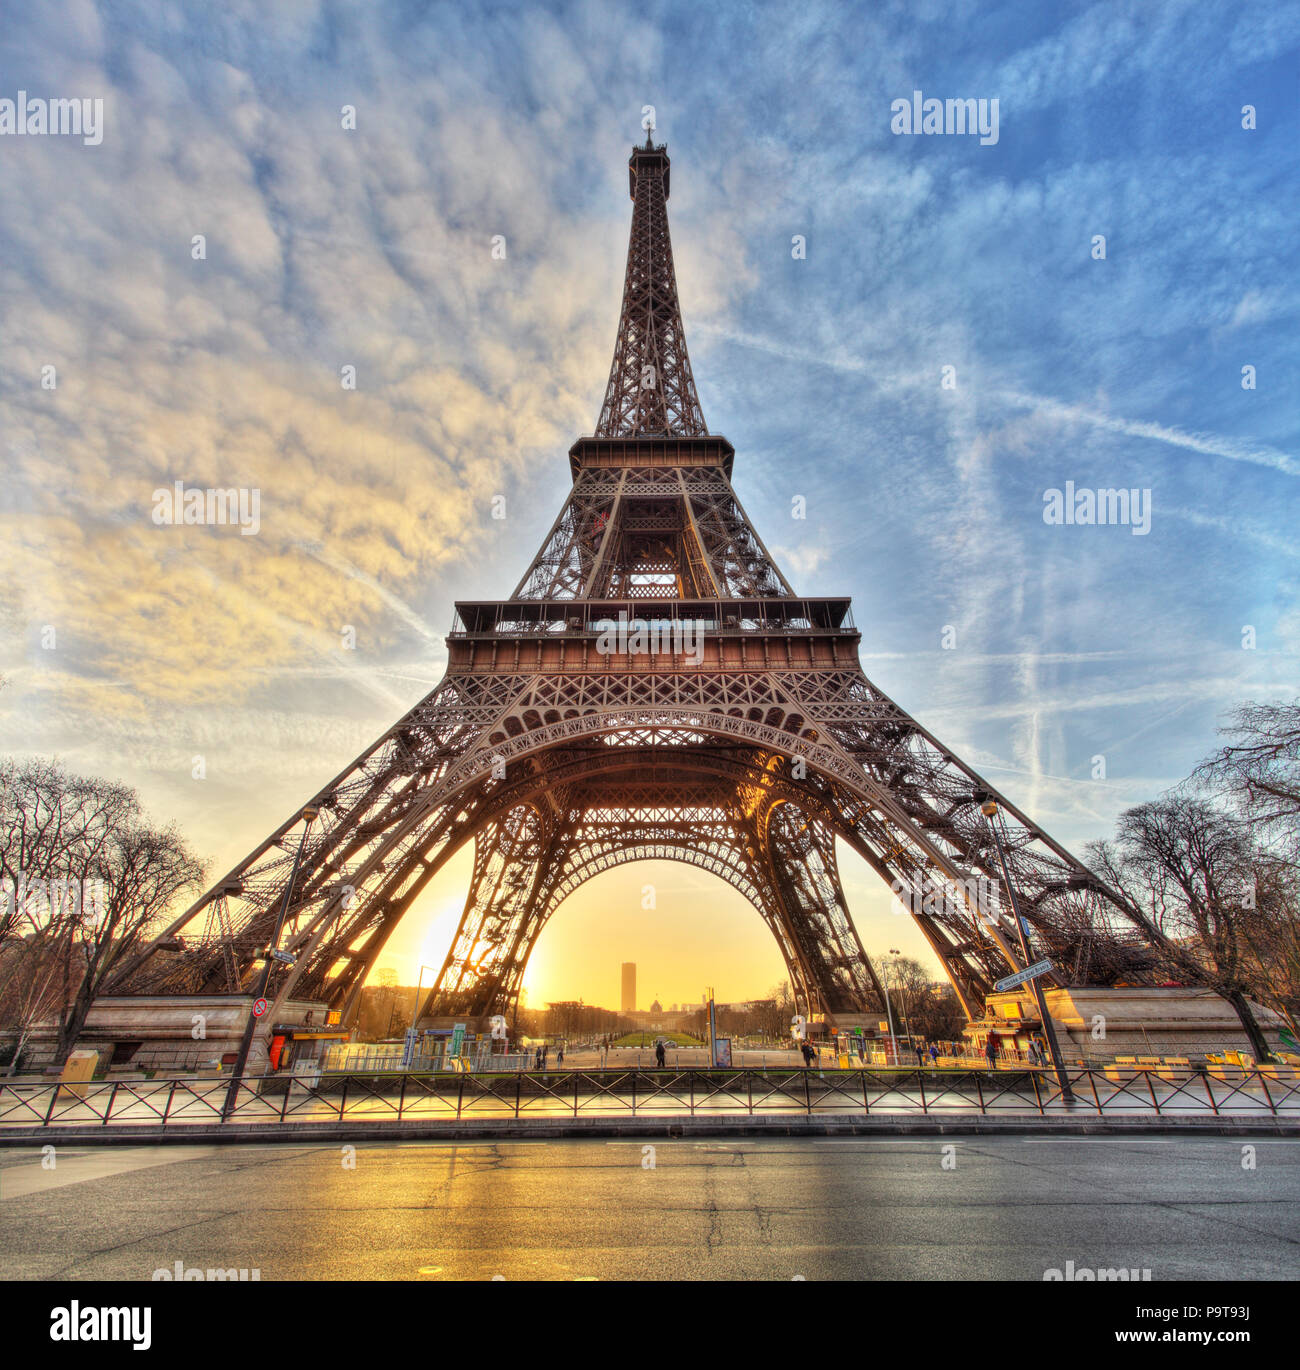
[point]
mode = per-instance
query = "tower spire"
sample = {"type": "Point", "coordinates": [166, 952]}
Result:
{"type": "Point", "coordinates": [651, 391]}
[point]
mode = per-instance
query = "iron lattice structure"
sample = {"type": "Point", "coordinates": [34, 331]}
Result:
{"type": "Point", "coordinates": [651, 389]}
{"type": "Point", "coordinates": [747, 744]}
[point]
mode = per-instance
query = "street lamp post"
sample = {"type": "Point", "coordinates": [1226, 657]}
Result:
{"type": "Point", "coordinates": [902, 1003]}
{"type": "Point", "coordinates": [990, 811]}
{"type": "Point", "coordinates": [264, 979]}
{"type": "Point", "coordinates": [415, 1006]}
{"type": "Point", "coordinates": [889, 1012]}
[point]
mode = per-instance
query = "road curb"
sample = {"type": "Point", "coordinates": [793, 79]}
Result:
{"type": "Point", "coordinates": [660, 1128]}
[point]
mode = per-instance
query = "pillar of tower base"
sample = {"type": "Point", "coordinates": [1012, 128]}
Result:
{"type": "Point", "coordinates": [1098, 1025]}
{"type": "Point", "coordinates": [173, 1032]}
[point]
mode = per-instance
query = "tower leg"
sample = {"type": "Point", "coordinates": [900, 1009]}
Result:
{"type": "Point", "coordinates": [805, 873]}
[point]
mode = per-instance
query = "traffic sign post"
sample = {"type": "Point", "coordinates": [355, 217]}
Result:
{"type": "Point", "coordinates": [309, 815]}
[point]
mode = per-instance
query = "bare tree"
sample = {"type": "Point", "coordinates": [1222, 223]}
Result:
{"type": "Point", "coordinates": [1271, 937]}
{"type": "Point", "coordinates": [922, 1006]}
{"type": "Point", "coordinates": [939, 1016]}
{"type": "Point", "coordinates": [51, 823]}
{"type": "Point", "coordinates": [777, 1011]}
{"type": "Point", "coordinates": [86, 874]}
{"type": "Point", "coordinates": [1258, 772]}
{"type": "Point", "coordinates": [1194, 874]}
{"type": "Point", "coordinates": [31, 988]}
{"type": "Point", "coordinates": [909, 987]}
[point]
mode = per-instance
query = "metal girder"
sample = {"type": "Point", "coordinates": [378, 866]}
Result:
{"type": "Point", "coordinates": [652, 534]}
{"type": "Point", "coordinates": [386, 833]}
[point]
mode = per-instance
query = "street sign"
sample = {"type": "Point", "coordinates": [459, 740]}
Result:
{"type": "Point", "coordinates": [287, 957]}
{"type": "Point", "coordinates": [259, 1007]}
{"type": "Point", "coordinates": [1029, 973]}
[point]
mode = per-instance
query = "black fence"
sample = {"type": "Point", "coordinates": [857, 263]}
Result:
{"type": "Point", "coordinates": [632, 1093]}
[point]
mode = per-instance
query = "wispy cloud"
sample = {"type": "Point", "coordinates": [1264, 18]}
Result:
{"type": "Point", "coordinates": [1208, 444]}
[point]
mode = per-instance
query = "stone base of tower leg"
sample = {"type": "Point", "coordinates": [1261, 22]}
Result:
{"type": "Point", "coordinates": [1099, 1025]}
{"type": "Point", "coordinates": [180, 1032]}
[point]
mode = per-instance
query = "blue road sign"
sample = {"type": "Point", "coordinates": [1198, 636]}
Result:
{"type": "Point", "coordinates": [1029, 973]}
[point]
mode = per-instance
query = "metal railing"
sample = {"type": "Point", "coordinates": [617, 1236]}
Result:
{"type": "Point", "coordinates": [526, 618]}
{"type": "Point", "coordinates": [351, 1060]}
{"type": "Point", "coordinates": [631, 1093]}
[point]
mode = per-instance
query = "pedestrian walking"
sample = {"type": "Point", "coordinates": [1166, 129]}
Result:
{"type": "Point", "coordinates": [991, 1050]}
{"type": "Point", "coordinates": [920, 1053]}
{"type": "Point", "coordinates": [559, 1055]}
{"type": "Point", "coordinates": [1032, 1053]}
{"type": "Point", "coordinates": [537, 1062]}
{"type": "Point", "coordinates": [806, 1048]}
{"type": "Point", "coordinates": [660, 1055]}
{"type": "Point", "coordinates": [546, 1050]}
{"type": "Point", "coordinates": [934, 1054]}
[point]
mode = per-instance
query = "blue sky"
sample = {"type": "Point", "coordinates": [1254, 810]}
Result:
{"type": "Point", "coordinates": [371, 247]}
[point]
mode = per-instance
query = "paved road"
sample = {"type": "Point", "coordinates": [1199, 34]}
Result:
{"type": "Point", "coordinates": [855, 1208]}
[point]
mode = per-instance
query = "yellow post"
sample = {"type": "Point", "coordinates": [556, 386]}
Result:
{"type": "Point", "coordinates": [78, 1069]}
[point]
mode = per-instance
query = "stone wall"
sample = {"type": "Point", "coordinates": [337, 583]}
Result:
{"type": "Point", "coordinates": [166, 1028]}
{"type": "Point", "coordinates": [1096, 1025]}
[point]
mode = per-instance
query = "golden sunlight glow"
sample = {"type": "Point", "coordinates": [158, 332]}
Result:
{"type": "Point", "coordinates": [699, 931]}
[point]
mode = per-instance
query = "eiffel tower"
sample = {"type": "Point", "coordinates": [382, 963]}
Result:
{"type": "Point", "coordinates": [726, 724]}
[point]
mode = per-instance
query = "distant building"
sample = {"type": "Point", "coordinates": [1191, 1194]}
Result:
{"type": "Point", "coordinates": [629, 986]}
{"type": "Point", "coordinates": [659, 1019]}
